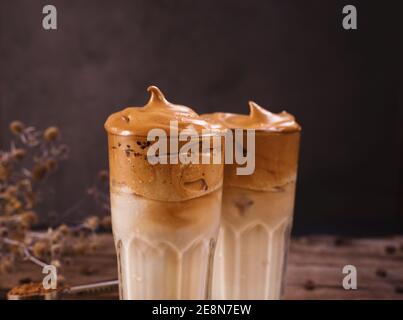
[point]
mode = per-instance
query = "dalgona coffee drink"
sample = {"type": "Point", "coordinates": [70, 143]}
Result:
{"type": "Point", "coordinates": [165, 216]}
{"type": "Point", "coordinates": [257, 209]}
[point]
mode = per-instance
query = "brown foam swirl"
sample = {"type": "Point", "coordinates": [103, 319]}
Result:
{"type": "Point", "coordinates": [276, 160]}
{"type": "Point", "coordinates": [258, 119]}
{"type": "Point", "coordinates": [156, 114]}
{"type": "Point", "coordinates": [130, 170]}
{"type": "Point", "coordinates": [276, 148]}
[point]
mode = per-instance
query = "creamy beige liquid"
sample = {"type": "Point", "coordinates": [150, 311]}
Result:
{"type": "Point", "coordinates": [253, 243]}
{"type": "Point", "coordinates": [165, 249]}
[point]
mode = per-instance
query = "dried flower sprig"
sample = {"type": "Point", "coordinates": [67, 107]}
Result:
{"type": "Point", "coordinates": [25, 250]}
{"type": "Point", "coordinates": [31, 158]}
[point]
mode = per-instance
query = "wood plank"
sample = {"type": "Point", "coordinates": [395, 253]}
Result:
{"type": "Point", "coordinates": [314, 268]}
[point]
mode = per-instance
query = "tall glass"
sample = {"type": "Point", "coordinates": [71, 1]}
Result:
{"type": "Point", "coordinates": [257, 216]}
{"type": "Point", "coordinates": [165, 220]}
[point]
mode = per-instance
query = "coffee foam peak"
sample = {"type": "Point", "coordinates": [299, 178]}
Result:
{"type": "Point", "coordinates": [258, 119]}
{"type": "Point", "coordinates": [156, 114]}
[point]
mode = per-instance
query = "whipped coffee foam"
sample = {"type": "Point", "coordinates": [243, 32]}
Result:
{"type": "Point", "coordinates": [258, 119]}
{"type": "Point", "coordinates": [131, 171]}
{"type": "Point", "coordinates": [156, 114]}
{"type": "Point", "coordinates": [276, 147]}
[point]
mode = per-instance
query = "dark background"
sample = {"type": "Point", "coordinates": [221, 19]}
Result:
{"type": "Point", "coordinates": [344, 87]}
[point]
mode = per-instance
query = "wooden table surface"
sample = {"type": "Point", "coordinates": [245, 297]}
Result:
{"type": "Point", "coordinates": [314, 268]}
